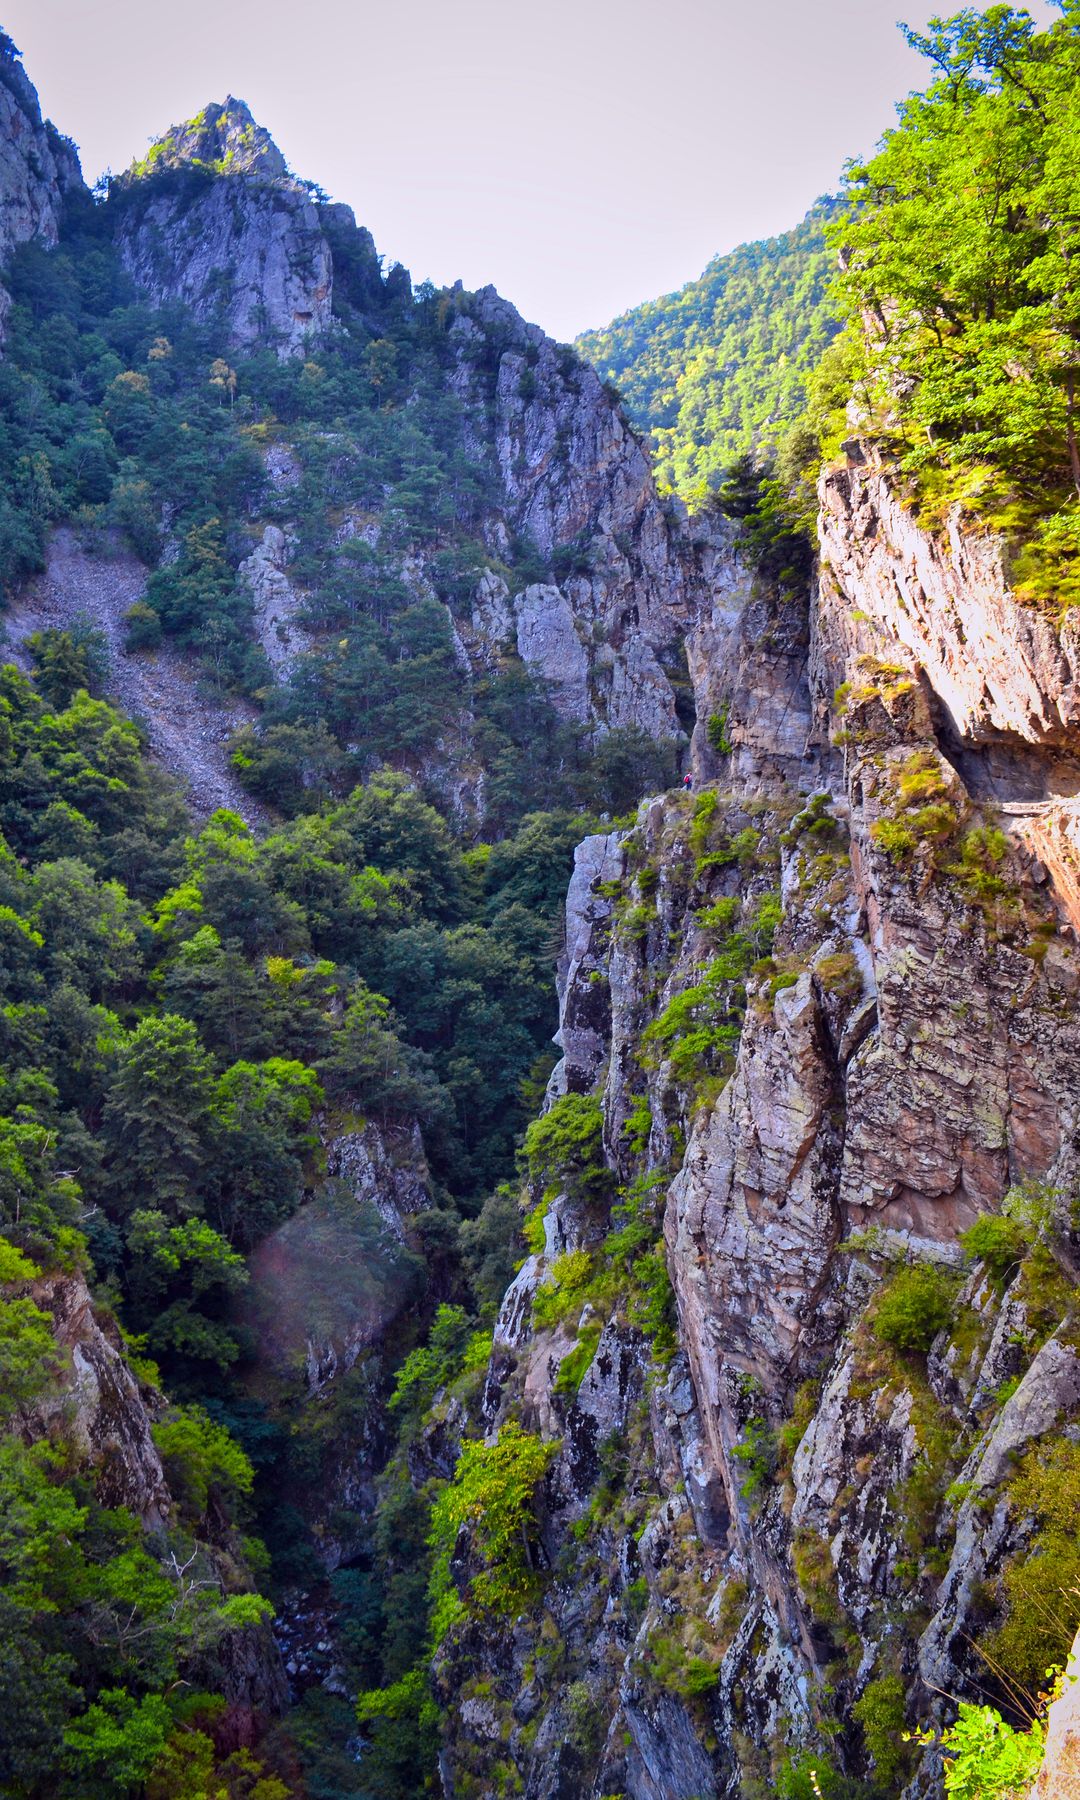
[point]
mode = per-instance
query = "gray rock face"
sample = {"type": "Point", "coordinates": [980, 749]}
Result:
{"type": "Point", "coordinates": [325, 1284]}
{"type": "Point", "coordinates": [1048, 1396]}
{"type": "Point", "coordinates": [97, 1405]}
{"type": "Point", "coordinates": [212, 218]}
{"type": "Point", "coordinates": [747, 660]}
{"type": "Point", "coordinates": [577, 484]}
{"type": "Point", "coordinates": [1059, 1777]}
{"type": "Point", "coordinates": [548, 643]}
{"type": "Point", "coordinates": [276, 602]}
{"type": "Point", "coordinates": [1004, 676]}
{"type": "Point", "coordinates": [908, 1050]}
{"type": "Point", "coordinates": [583, 1003]}
{"type": "Point", "coordinates": [997, 666]}
{"type": "Point", "coordinates": [38, 167]}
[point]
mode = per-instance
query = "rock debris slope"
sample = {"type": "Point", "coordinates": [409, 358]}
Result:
{"type": "Point", "coordinates": [188, 730]}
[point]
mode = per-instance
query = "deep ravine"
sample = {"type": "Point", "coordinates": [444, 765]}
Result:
{"type": "Point", "coordinates": [738, 1480]}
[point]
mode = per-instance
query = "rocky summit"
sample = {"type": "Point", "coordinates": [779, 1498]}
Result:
{"type": "Point", "coordinates": [391, 1406]}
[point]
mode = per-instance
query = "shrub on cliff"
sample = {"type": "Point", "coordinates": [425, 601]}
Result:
{"type": "Point", "coordinates": [567, 1145]}
{"type": "Point", "coordinates": [1039, 1585]}
{"type": "Point", "coordinates": [998, 1242]}
{"type": "Point", "coordinates": [913, 1307]}
{"type": "Point", "coordinates": [492, 1493]}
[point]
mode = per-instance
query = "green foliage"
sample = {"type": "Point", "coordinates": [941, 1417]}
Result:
{"type": "Point", "coordinates": [201, 1461]}
{"type": "Point", "coordinates": [913, 1306]}
{"type": "Point", "coordinates": [635, 1247]}
{"type": "Point", "coordinates": [680, 1671]}
{"type": "Point", "coordinates": [959, 286]}
{"type": "Point", "coordinates": [998, 1242]}
{"type": "Point", "coordinates": [717, 732]}
{"type": "Point", "coordinates": [840, 974]}
{"type": "Point", "coordinates": [775, 540]}
{"type": "Point", "coordinates": [757, 1453]}
{"type": "Point", "coordinates": [14, 1266]}
{"type": "Point", "coordinates": [429, 1367]}
{"type": "Point", "coordinates": [566, 1145]}
{"type": "Point", "coordinates": [492, 1494]}
{"type": "Point", "coordinates": [698, 1030]}
{"type": "Point", "coordinates": [637, 1128]}
{"type": "Point", "coordinates": [811, 1775]}
{"type": "Point", "coordinates": [87, 1596]}
{"type": "Point", "coordinates": [575, 1366]}
{"type": "Point", "coordinates": [719, 368]}
{"type": "Point", "coordinates": [492, 1246]}
{"type": "Point", "coordinates": [117, 1742]}
{"type": "Point", "coordinates": [1039, 1584]}
{"type": "Point", "coordinates": [29, 1358]}
{"type": "Point", "coordinates": [1031, 1205]}
{"type": "Point", "coordinates": [896, 837]}
{"type": "Point", "coordinates": [880, 1711]}
{"type": "Point", "coordinates": [986, 1759]}
{"type": "Point", "coordinates": [982, 851]}
{"type": "Point", "coordinates": [564, 1289]}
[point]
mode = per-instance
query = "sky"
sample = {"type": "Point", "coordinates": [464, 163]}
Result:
{"type": "Point", "coordinates": [583, 155]}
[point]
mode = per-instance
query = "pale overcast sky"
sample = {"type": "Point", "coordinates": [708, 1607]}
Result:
{"type": "Point", "coordinates": [583, 155]}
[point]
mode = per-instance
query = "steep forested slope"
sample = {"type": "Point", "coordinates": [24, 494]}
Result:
{"type": "Point", "coordinates": [720, 367]}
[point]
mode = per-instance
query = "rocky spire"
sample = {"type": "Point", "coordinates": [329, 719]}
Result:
{"type": "Point", "coordinates": [223, 139]}
{"type": "Point", "coordinates": [245, 247]}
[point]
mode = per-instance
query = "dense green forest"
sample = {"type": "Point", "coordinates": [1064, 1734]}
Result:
{"type": "Point", "coordinates": [949, 263]}
{"type": "Point", "coordinates": [719, 368]}
{"type": "Point", "coordinates": [176, 1008]}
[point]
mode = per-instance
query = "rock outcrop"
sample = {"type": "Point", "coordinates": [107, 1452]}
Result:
{"type": "Point", "coordinates": [38, 167]}
{"type": "Point", "coordinates": [576, 483]}
{"type": "Point", "coordinates": [212, 218]}
{"type": "Point", "coordinates": [96, 1406]}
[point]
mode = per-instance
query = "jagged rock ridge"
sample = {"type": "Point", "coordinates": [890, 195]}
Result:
{"type": "Point", "coordinates": [914, 1057]}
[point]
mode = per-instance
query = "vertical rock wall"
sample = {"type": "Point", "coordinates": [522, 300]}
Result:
{"type": "Point", "coordinates": [788, 1514]}
{"type": "Point", "coordinates": [38, 168]}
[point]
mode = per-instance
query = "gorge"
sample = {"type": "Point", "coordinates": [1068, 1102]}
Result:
{"type": "Point", "coordinates": [392, 1408]}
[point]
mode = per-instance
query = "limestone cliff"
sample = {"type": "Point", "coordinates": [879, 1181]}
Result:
{"type": "Point", "coordinates": [790, 1524]}
{"type": "Point", "coordinates": [576, 479]}
{"type": "Point", "coordinates": [213, 219]}
{"type": "Point", "coordinates": [565, 474]}
{"type": "Point", "coordinates": [38, 167]}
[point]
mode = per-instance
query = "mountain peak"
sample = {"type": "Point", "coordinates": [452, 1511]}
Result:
{"type": "Point", "coordinates": [223, 138]}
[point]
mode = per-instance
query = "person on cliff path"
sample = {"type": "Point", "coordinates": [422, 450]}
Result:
{"type": "Point", "coordinates": [688, 780]}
